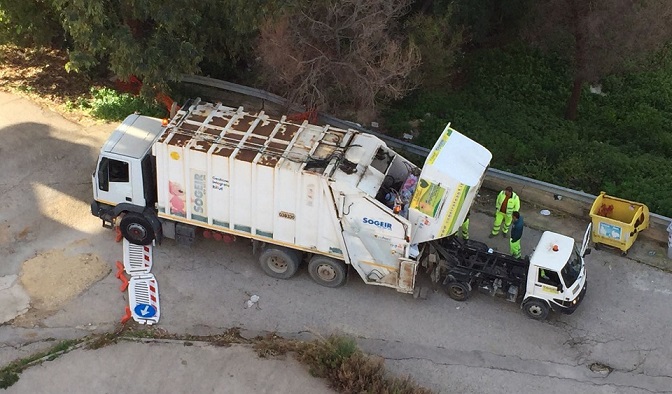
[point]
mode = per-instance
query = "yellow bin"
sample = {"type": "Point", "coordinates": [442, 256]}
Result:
{"type": "Point", "coordinates": [616, 222]}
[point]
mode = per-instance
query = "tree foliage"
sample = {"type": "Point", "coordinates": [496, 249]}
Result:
{"type": "Point", "coordinates": [158, 40]}
{"type": "Point", "coordinates": [439, 44]}
{"type": "Point", "coordinates": [29, 23]}
{"type": "Point", "coordinates": [601, 37]}
{"type": "Point", "coordinates": [339, 54]}
{"type": "Point", "coordinates": [488, 22]}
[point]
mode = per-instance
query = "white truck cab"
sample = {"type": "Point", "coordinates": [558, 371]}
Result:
{"type": "Point", "coordinates": [124, 176]}
{"type": "Point", "coordinates": [556, 275]}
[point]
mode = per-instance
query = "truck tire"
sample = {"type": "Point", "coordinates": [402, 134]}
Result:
{"type": "Point", "coordinates": [536, 309]}
{"type": "Point", "coordinates": [137, 229]}
{"type": "Point", "coordinates": [327, 271]}
{"type": "Point", "coordinates": [458, 291]}
{"type": "Point", "coordinates": [280, 263]}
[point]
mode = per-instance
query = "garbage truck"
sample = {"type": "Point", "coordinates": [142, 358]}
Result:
{"type": "Point", "coordinates": [328, 196]}
{"type": "Point", "coordinates": [553, 278]}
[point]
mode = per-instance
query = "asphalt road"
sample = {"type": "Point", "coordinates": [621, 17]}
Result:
{"type": "Point", "coordinates": [483, 345]}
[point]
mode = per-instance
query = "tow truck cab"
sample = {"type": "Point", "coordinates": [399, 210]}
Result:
{"type": "Point", "coordinates": [556, 275]}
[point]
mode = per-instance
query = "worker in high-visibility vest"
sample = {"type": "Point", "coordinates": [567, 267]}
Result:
{"type": "Point", "coordinates": [507, 202]}
{"type": "Point", "coordinates": [516, 234]}
{"type": "Point", "coordinates": [464, 229]}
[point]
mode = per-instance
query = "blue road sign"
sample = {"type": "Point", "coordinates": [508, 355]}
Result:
{"type": "Point", "coordinates": [145, 310]}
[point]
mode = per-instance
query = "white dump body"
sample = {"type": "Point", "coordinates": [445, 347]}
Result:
{"type": "Point", "coordinates": [314, 188]}
{"type": "Point", "coordinates": [229, 170]}
{"type": "Point", "coordinates": [449, 183]}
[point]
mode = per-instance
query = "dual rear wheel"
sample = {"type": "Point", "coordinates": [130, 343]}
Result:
{"type": "Point", "coordinates": [534, 308]}
{"type": "Point", "coordinates": [282, 263]}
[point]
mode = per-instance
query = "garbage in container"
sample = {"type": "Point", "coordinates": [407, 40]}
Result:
{"type": "Point", "coordinates": [616, 222]}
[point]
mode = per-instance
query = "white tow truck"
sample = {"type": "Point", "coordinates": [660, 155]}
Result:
{"type": "Point", "coordinates": [552, 278]}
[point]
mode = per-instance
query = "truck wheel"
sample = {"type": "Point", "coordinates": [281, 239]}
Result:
{"type": "Point", "coordinates": [327, 271]}
{"type": "Point", "coordinates": [280, 263]}
{"type": "Point", "coordinates": [136, 229]}
{"type": "Point", "coordinates": [458, 291]}
{"type": "Point", "coordinates": [536, 309]}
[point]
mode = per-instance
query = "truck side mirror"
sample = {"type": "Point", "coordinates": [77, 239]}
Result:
{"type": "Point", "coordinates": [559, 288]}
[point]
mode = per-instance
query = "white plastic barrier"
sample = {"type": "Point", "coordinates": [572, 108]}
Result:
{"type": "Point", "coordinates": [137, 258]}
{"type": "Point", "coordinates": [143, 290]}
{"type": "Point", "coordinates": [143, 299]}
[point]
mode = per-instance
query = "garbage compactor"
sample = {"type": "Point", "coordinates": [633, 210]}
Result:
{"type": "Point", "coordinates": [616, 222]}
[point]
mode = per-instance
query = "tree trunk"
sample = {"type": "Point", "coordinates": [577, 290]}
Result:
{"type": "Point", "coordinates": [426, 5]}
{"type": "Point", "coordinates": [573, 103]}
{"type": "Point", "coordinates": [579, 13]}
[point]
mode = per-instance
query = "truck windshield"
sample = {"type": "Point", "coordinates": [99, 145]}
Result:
{"type": "Point", "coordinates": [571, 271]}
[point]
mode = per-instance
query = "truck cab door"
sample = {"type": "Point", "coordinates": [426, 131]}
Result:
{"type": "Point", "coordinates": [112, 181]}
{"type": "Point", "coordinates": [546, 283]}
{"type": "Point", "coordinates": [586, 240]}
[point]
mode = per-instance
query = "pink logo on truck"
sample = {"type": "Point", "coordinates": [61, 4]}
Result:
{"type": "Point", "coordinates": [177, 199]}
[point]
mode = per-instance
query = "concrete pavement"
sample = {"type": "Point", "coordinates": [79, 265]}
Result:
{"type": "Point", "coordinates": [168, 367]}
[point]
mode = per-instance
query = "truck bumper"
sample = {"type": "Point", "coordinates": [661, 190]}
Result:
{"type": "Point", "coordinates": [103, 211]}
{"type": "Point", "coordinates": [95, 208]}
{"type": "Point", "coordinates": [568, 310]}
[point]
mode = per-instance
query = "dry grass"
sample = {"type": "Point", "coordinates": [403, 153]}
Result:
{"type": "Point", "coordinates": [349, 370]}
{"type": "Point", "coordinates": [335, 358]}
{"type": "Point", "coordinates": [339, 360]}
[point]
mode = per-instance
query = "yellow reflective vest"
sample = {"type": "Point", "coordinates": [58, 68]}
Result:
{"type": "Point", "coordinates": [512, 205]}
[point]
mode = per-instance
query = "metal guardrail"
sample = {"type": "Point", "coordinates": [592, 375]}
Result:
{"type": "Point", "coordinates": [579, 196]}
{"type": "Point", "coordinates": [245, 90]}
{"type": "Point", "coordinates": [274, 98]}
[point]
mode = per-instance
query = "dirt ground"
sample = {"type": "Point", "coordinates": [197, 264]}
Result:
{"type": "Point", "coordinates": [54, 277]}
{"type": "Point", "coordinates": [39, 74]}
{"type": "Point", "coordinates": [45, 189]}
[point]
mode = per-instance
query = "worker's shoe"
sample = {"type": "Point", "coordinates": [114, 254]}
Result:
{"type": "Point", "coordinates": [491, 235]}
{"type": "Point", "coordinates": [504, 235]}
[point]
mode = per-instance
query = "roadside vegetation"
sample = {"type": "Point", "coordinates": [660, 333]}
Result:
{"type": "Point", "coordinates": [559, 91]}
{"type": "Point", "coordinates": [9, 374]}
{"type": "Point", "coordinates": [109, 104]}
{"type": "Point", "coordinates": [336, 358]}
{"type": "Point", "coordinates": [40, 74]}
{"type": "Point", "coordinates": [514, 102]}
{"type": "Point", "coordinates": [339, 360]}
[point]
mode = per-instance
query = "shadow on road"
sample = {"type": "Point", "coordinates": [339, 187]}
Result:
{"type": "Point", "coordinates": [45, 188]}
